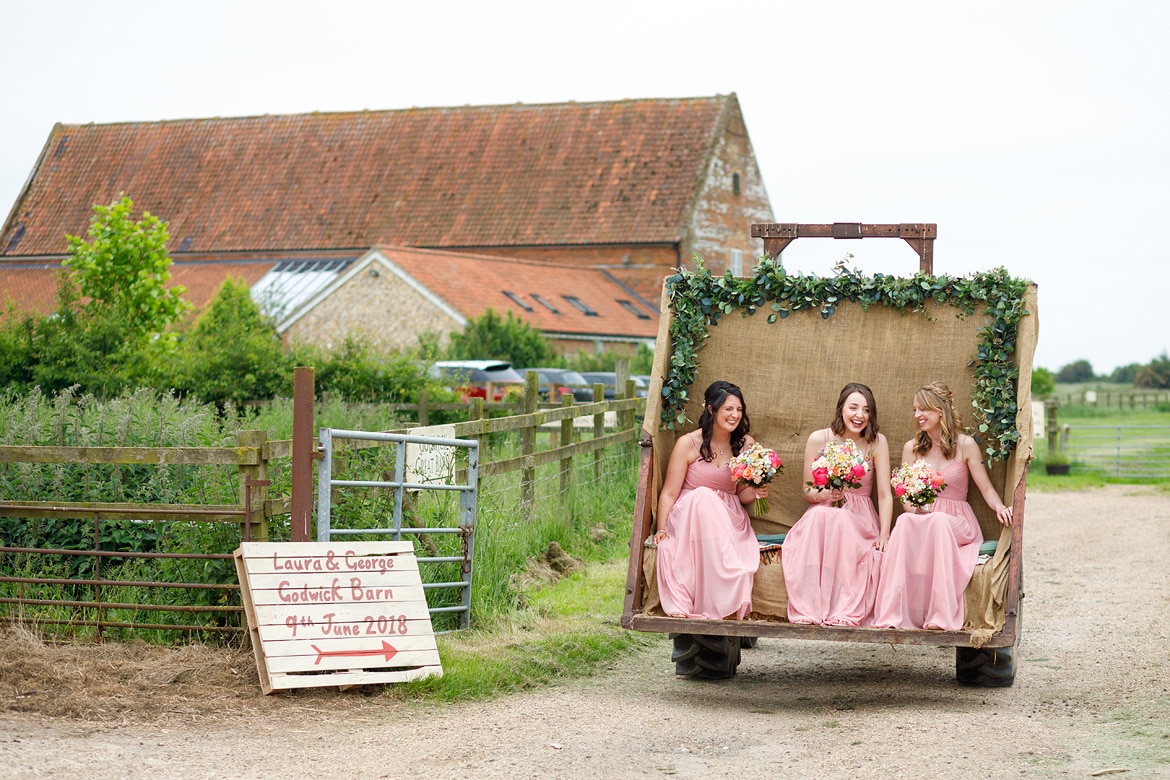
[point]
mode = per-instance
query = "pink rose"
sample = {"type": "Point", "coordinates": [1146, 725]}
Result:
{"type": "Point", "coordinates": [937, 479]}
{"type": "Point", "coordinates": [858, 471]}
{"type": "Point", "coordinates": [820, 477]}
{"type": "Point", "coordinates": [900, 491]}
{"type": "Point", "coordinates": [775, 460]}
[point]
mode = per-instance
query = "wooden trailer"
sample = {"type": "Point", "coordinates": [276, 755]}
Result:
{"type": "Point", "coordinates": [791, 342]}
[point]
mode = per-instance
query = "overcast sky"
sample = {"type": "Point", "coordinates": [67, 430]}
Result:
{"type": "Point", "coordinates": [1036, 134]}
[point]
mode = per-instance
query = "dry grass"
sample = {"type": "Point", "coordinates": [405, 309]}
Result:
{"type": "Point", "coordinates": [143, 683]}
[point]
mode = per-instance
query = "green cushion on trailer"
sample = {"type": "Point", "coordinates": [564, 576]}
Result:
{"type": "Point", "coordinates": [770, 538]}
{"type": "Point", "coordinates": [988, 548]}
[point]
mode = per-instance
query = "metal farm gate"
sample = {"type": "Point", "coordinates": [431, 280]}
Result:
{"type": "Point", "coordinates": [468, 495]}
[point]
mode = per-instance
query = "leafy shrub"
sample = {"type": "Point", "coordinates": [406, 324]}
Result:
{"type": "Point", "coordinates": [233, 353]}
{"type": "Point", "coordinates": [492, 337]}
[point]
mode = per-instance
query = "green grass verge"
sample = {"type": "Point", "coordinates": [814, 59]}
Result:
{"type": "Point", "coordinates": [1080, 477]}
{"type": "Point", "coordinates": [570, 629]}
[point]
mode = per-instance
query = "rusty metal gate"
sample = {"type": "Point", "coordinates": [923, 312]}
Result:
{"type": "Point", "coordinates": [328, 530]}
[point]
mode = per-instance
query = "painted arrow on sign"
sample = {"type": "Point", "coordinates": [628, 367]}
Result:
{"type": "Point", "coordinates": [387, 650]}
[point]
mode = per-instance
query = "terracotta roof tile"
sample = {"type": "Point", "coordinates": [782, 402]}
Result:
{"type": "Point", "coordinates": [471, 284]}
{"type": "Point", "coordinates": [28, 288]}
{"type": "Point", "coordinates": [557, 174]}
{"type": "Point", "coordinates": [31, 288]}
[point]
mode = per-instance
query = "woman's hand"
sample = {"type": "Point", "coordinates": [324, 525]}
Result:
{"type": "Point", "coordinates": [833, 495]}
{"type": "Point", "coordinates": [748, 495]}
{"type": "Point", "coordinates": [659, 535]}
{"type": "Point", "coordinates": [1005, 515]}
{"type": "Point", "coordinates": [880, 544]}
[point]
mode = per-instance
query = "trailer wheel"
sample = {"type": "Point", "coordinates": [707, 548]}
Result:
{"type": "Point", "coordinates": [698, 655]}
{"type": "Point", "coordinates": [990, 667]}
{"type": "Point", "coordinates": [986, 667]}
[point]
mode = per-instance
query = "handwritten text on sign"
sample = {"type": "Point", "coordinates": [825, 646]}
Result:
{"type": "Point", "coordinates": [430, 463]}
{"type": "Point", "coordinates": [351, 607]}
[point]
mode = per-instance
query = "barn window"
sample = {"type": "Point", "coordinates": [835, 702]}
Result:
{"type": "Point", "coordinates": [580, 304]}
{"type": "Point", "coordinates": [737, 262]}
{"type": "Point", "coordinates": [516, 299]}
{"type": "Point", "coordinates": [632, 309]}
{"type": "Point", "coordinates": [540, 299]}
{"type": "Point", "coordinates": [735, 184]}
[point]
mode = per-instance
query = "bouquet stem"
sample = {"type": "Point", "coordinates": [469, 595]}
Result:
{"type": "Point", "coordinates": [759, 507]}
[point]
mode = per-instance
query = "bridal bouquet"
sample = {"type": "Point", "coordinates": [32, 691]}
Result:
{"type": "Point", "coordinates": [755, 466]}
{"type": "Point", "coordinates": [839, 465]}
{"type": "Point", "coordinates": [917, 483]}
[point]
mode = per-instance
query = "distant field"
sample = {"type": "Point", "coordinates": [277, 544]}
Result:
{"type": "Point", "coordinates": [1127, 443]}
{"type": "Point", "coordinates": [1111, 396]}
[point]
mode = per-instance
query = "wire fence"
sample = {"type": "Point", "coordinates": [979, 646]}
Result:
{"type": "Point", "coordinates": [1132, 451]}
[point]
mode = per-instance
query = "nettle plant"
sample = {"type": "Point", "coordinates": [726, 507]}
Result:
{"type": "Point", "coordinates": [699, 299]}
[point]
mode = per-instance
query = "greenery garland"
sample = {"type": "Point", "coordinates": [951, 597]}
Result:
{"type": "Point", "coordinates": [699, 299]}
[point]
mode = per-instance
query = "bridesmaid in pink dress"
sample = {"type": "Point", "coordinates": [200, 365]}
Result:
{"type": "Point", "coordinates": [933, 550]}
{"type": "Point", "coordinates": [831, 556]}
{"type": "Point", "coordinates": [707, 550]}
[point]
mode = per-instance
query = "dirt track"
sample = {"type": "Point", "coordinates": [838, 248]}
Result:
{"type": "Point", "coordinates": [1091, 698]}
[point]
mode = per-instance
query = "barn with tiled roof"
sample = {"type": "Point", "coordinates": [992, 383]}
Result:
{"type": "Point", "coordinates": [634, 187]}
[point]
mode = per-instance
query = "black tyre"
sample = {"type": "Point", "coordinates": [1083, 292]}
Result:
{"type": "Point", "coordinates": [748, 642]}
{"type": "Point", "coordinates": [697, 655]}
{"type": "Point", "coordinates": [986, 667]}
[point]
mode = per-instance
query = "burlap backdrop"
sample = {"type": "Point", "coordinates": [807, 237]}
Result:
{"type": "Point", "coordinates": [792, 371]}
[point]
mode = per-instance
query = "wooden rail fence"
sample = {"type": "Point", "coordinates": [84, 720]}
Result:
{"type": "Point", "coordinates": [553, 424]}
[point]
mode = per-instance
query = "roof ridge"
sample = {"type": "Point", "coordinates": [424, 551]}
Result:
{"type": "Point", "coordinates": [412, 109]}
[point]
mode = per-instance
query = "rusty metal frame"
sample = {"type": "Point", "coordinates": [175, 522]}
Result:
{"type": "Point", "coordinates": [919, 235]}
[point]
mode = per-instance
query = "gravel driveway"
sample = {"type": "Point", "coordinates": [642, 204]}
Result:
{"type": "Point", "coordinates": [1091, 699]}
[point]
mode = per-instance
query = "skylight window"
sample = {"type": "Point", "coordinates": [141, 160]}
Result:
{"type": "Point", "coordinates": [580, 304]}
{"type": "Point", "coordinates": [632, 309]}
{"type": "Point", "coordinates": [517, 300]}
{"type": "Point", "coordinates": [540, 299]}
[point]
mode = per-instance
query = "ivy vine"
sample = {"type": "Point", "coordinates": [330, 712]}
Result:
{"type": "Point", "coordinates": [699, 299]}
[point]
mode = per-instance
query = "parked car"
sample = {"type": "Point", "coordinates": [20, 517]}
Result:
{"type": "Point", "coordinates": [471, 378]}
{"type": "Point", "coordinates": [609, 378]}
{"type": "Point", "coordinates": [564, 380]}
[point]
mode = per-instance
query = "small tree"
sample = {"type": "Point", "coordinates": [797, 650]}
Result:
{"type": "Point", "coordinates": [1042, 382]}
{"type": "Point", "coordinates": [123, 271]}
{"type": "Point", "coordinates": [1125, 375]}
{"type": "Point", "coordinates": [233, 353]}
{"type": "Point", "coordinates": [1155, 375]}
{"type": "Point", "coordinates": [492, 337]}
{"type": "Point", "coordinates": [1079, 371]}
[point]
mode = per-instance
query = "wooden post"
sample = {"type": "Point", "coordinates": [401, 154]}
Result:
{"type": "Point", "coordinates": [1051, 428]}
{"type": "Point", "coordinates": [303, 453]}
{"type": "Point", "coordinates": [598, 428]}
{"type": "Point", "coordinates": [528, 442]}
{"type": "Point", "coordinates": [424, 411]}
{"type": "Point", "coordinates": [475, 412]}
{"type": "Point", "coordinates": [253, 495]}
{"type": "Point", "coordinates": [566, 439]}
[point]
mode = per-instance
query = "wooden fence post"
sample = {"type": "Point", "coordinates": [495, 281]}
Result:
{"type": "Point", "coordinates": [424, 411]}
{"type": "Point", "coordinates": [1051, 427]}
{"type": "Point", "coordinates": [301, 500]}
{"type": "Point", "coordinates": [528, 441]}
{"type": "Point", "coordinates": [475, 412]}
{"type": "Point", "coordinates": [254, 488]}
{"type": "Point", "coordinates": [565, 440]}
{"type": "Point", "coordinates": [598, 428]}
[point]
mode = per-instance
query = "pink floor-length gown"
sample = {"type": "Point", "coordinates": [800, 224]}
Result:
{"type": "Point", "coordinates": [929, 561]}
{"type": "Point", "coordinates": [830, 561]}
{"type": "Point", "coordinates": [708, 560]}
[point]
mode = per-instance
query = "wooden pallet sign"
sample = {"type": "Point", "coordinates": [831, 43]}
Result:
{"type": "Point", "coordinates": [336, 613]}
